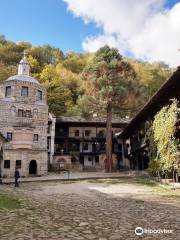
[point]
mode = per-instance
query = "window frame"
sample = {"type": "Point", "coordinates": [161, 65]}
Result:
{"type": "Point", "coordinates": [20, 111]}
{"type": "Point", "coordinates": [84, 146]}
{"type": "Point", "coordinates": [28, 113]}
{"type": "Point", "coordinates": [18, 165]}
{"type": "Point", "coordinates": [6, 91]}
{"type": "Point", "coordinates": [35, 137]}
{"type": "Point", "coordinates": [22, 92]}
{"type": "Point", "coordinates": [9, 134]}
{"type": "Point", "coordinates": [87, 131]}
{"type": "Point", "coordinates": [75, 133]}
{"type": "Point", "coordinates": [7, 164]}
{"type": "Point", "coordinates": [39, 95]}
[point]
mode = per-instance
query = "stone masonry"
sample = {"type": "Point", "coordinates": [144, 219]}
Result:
{"type": "Point", "coordinates": [23, 121]}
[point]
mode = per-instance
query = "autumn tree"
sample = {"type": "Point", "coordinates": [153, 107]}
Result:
{"type": "Point", "coordinates": [110, 81]}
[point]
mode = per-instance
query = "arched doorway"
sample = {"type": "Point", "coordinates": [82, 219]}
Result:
{"type": "Point", "coordinates": [33, 167]}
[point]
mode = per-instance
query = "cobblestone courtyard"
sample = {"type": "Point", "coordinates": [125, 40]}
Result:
{"type": "Point", "coordinates": [97, 209]}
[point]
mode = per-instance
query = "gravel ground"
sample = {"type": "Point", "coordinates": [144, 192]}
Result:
{"type": "Point", "coordinates": [103, 210]}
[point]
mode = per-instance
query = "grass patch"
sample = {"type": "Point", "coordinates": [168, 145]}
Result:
{"type": "Point", "coordinates": [109, 180]}
{"type": "Point", "coordinates": [9, 202]}
{"type": "Point", "coordinates": [145, 181]}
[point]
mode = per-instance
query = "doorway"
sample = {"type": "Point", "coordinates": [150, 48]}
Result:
{"type": "Point", "coordinates": [33, 167]}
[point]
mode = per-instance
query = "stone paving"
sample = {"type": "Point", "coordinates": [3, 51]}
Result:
{"type": "Point", "coordinates": [91, 210]}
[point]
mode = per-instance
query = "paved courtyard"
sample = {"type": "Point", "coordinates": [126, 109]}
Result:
{"type": "Point", "coordinates": [92, 209]}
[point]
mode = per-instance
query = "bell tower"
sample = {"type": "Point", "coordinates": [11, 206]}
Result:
{"type": "Point", "coordinates": [23, 68]}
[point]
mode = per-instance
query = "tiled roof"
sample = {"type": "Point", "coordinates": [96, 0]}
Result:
{"type": "Point", "coordinates": [92, 120]}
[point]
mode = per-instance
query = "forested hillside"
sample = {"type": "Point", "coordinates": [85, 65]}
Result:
{"type": "Point", "coordinates": [62, 75]}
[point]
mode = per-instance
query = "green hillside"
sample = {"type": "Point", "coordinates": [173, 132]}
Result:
{"type": "Point", "coordinates": [61, 74]}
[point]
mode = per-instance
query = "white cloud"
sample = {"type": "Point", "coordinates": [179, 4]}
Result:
{"type": "Point", "coordinates": [143, 28]}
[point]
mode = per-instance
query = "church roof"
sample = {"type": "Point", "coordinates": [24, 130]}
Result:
{"type": "Point", "coordinates": [23, 72]}
{"type": "Point", "coordinates": [23, 78]}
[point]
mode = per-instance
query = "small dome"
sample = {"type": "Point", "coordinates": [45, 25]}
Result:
{"type": "Point", "coordinates": [23, 72]}
{"type": "Point", "coordinates": [23, 78]}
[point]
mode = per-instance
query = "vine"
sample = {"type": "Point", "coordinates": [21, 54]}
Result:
{"type": "Point", "coordinates": [162, 142]}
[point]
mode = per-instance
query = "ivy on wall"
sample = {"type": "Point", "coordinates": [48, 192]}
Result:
{"type": "Point", "coordinates": [162, 142]}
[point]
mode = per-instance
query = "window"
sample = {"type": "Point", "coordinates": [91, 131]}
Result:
{"type": "Point", "coordinates": [35, 112]}
{"type": "Point", "coordinates": [101, 134]}
{"type": "Point", "coordinates": [89, 159]}
{"type": "Point", "coordinates": [13, 110]}
{"type": "Point", "coordinates": [9, 136]}
{"type": "Point", "coordinates": [28, 113]}
{"type": "Point", "coordinates": [87, 133]}
{"type": "Point", "coordinates": [18, 163]}
{"type": "Point", "coordinates": [76, 133]}
{"type": "Point", "coordinates": [6, 163]}
{"type": "Point", "coordinates": [24, 91]}
{"type": "Point", "coordinates": [49, 128]}
{"type": "Point", "coordinates": [20, 113]}
{"type": "Point", "coordinates": [39, 95]}
{"type": "Point", "coordinates": [85, 146]}
{"type": "Point", "coordinates": [35, 139]}
{"type": "Point", "coordinates": [97, 159]}
{"type": "Point", "coordinates": [8, 91]}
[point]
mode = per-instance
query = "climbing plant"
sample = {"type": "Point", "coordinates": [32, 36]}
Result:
{"type": "Point", "coordinates": [162, 142]}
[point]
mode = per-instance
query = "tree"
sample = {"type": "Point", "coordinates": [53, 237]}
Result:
{"type": "Point", "coordinates": [163, 144]}
{"type": "Point", "coordinates": [6, 71]}
{"type": "Point", "coordinates": [110, 80]}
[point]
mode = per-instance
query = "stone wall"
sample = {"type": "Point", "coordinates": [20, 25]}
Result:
{"type": "Point", "coordinates": [23, 146]}
{"type": "Point", "coordinates": [25, 156]}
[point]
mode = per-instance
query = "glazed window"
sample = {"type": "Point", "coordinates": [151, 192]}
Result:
{"type": "Point", "coordinates": [39, 95]}
{"type": "Point", "coordinates": [24, 91]}
{"type": "Point", "coordinates": [18, 163]}
{"type": "Point", "coordinates": [97, 159]}
{"type": "Point", "coordinates": [87, 133]}
{"type": "Point", "coordinates": [9, 136]}
{"type": "Point", "coordinates": [35, 138]}
{"type": "Point", "coordinates": [8, 91]}
{"type": "Point", "coordinates": [101, 134]}
{"type": "Point", "coordinates": [85, 146]}
{"type": "Point", "coordinates": [20, 113]}
{"type": "Point", "coordinates": [76, 133]}
{"type": "Point", "coordinates": [7, 164]}
{"type": "Point", "coordinates": [28, 113]}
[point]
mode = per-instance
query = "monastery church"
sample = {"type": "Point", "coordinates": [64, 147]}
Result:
{"type": "Point", "coordinates": [24, 122]}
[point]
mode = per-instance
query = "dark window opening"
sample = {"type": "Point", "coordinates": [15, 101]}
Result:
{"type": "Point", "coordinates": [6, 163]}
{"type": "Point", "coordinates": [20, 113]}
{"type": "Point", "coordinates": [8, 91]}
{"type": "Point", "coordinates": [101, 134]}
{"type": "Point", "coordinates": [35, 139]}
{"type": "Point", "coordinates": [24, 91]}
{"type": "Point", "coordinates": [77, 133]}
{"type": "Point", "coordinates": [28, 113]}
{"type": "Point", "coordinates": [85, 146]}
{"type": "Point", "coordinates": [39, 95]}
{"type": "Point", "coordinates": [87, 133]}
{"type": "Point", "coordinates": [18, 163]}
{"type": "Point", "coordinates": [97, 159]}
{"type": "Point", "coordinates": [9, 136]}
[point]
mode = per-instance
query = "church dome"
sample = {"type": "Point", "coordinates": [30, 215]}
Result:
{"type": "Point", "coordinates": [23, 78]}
{"type": "Point", "coordinates": [23, 72]}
